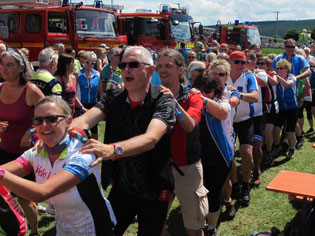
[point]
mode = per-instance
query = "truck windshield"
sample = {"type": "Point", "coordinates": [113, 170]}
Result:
{"type": "Point", "coordinates": [253, 36]}
{"type": "Point", "coordinates": [94, 24]}
{"type": "Point", "coordinates": [181, 31]}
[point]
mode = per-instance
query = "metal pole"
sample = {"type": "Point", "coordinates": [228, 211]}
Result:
{"type": "Point", "coordinates": [276, 26]}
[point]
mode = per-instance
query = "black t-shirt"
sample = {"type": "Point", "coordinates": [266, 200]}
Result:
{"type": "Point", "coordinates": [145, 175]}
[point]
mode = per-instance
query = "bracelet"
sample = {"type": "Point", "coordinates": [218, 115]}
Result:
{"type": "Point", "coordinates": [2, 172]}
{"type": "Point", "coordinates": [178, 112]}
{"type": "Point", "coordinates": [32, 131]}
{"type": "Point", "coordinates": [206, 101]}
{"type": "Point", "coordinates": [81, 106]}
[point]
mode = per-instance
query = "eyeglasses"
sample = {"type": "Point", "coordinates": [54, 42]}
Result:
{"type": "Point", "coordinates": [90, 63]}
{"type": "Point", "coordinates": [236, 62]}
{"type": "Point", "coordinates": [49, 119]}
{"type": "Point", "coordinates": [260, 63]}
{"type": "Point", "coordinates": [219, 74]}
{"type": "Point", "coordinates": [132, 64]}
{"type": "Point", "coordinates": [280, 68]}
{"type": "Point", "coordinates": [200, 70]}
{"type": "Point", "coordinates": [290, 46]}
{"type": "Point", "coordinates": [191, 57]}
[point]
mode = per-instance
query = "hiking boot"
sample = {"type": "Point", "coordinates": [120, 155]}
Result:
{"type": "Point", "coordinates": [311, 130]}
{"type": "Point", "coordinates": [230, 209]}
{"type": "Point", "coordinates": [284, 148]}
{"type": "Point", "coordinates": [245, 192]}
{"type": "Point", "coordinates": [268, 159]}
{"type": "Point", "coordinates": [299, 142]}
{"type": "Point", "coordinates": [236, 189]}
{"type": "Point", "coordinates": [290, 154]}
{"type": "Point", "coordinates": [256, 180]}
{"type": "Point", "coordinates": [277, 150]}
{"type": "Point", "coordinates": [212, 232]}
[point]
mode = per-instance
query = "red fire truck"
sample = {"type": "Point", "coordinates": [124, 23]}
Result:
{"type": "Point", "coordinates": [36, 24]}
{"type": "Point", "coordinates": [168, 27]}
{"type": "Point", "coordinates": [244, 34]}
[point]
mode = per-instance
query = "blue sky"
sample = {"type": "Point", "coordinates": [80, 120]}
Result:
{"type": "Point", "coordinates": [209, 11]}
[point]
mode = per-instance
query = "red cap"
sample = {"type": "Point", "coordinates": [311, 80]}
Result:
{"type": "Point", "coordinates": [224, 45]}
{"type": "Point", "coordinates": [237, 55]}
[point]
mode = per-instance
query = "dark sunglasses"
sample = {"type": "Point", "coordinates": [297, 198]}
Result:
{"type": "Point", "coordinates": [49, 119]}
{"type": "Point", "coordinates": [239, 61]}
{"type": "Point", "coordinates": [132, 64]}
{"type": "Point", "coordinates": [191, 57]}
{"type": "Point", "coordinates": [290, 46]}
{"type": "Point", "coordinates": [88, 62]}
{"type": "Point", "coordinates": [261, 63]}
{"type": "Point", "coordinates": [280, 68]}
{"type": "Point", "coordinates": [220, 74]}
{"type": "Point", "coordinates": [312, 66]}
{"type": "Point", "coordinates": [200, 70]}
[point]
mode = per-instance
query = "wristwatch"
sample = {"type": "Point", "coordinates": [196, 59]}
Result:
{"type": "Point", "coordinates": [118, 151]}
{"type": "Point", "coordinates": [2, 173]}
{"type": "Point", "coordinates": [241, 95]}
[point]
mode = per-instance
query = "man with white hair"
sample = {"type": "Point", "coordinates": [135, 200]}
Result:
{"type": "Point", "coordinates": [60, 47]}
{"type": "Point", "coordinates": [137, 149]}
{"type": "Point", "coordinates": [308, 56]}
{"type": "Point", "coordinates": [43, 77]}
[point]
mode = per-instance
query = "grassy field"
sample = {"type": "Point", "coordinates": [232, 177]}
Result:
{"type": "Point", "coordinates": [266, 209]}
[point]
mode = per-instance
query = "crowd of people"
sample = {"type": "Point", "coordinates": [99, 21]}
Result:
{"type": "Point", "coordinates": [172, 120]}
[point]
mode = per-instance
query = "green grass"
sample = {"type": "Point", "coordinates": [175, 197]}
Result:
{"type": "Point", "coordinates": [267, 51]}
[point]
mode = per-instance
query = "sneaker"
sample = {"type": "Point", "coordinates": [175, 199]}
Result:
{"type": "Point", "coordinates": [311, 130]}
{"type": "Point", "coordinates": [41, 209]}
{"type": "Point", "coordinates": [256, 180]}
{"type": "Point", "coordinates": [268, 159]}
{"type": "Point", "coordinates": [299, 142]}
{"type": "Point", "coordinates": [246, 192]}
{"type": "Point", "coordinates": [50, 209]}
{"type": "Point", "coordinates": [212, 232]}
{"type": "Point", "coordinates": [230, 209]}
{"type": "Point", "coordinates": [290, 154]}
{"type": "Point", "coordinates": [236, 189]}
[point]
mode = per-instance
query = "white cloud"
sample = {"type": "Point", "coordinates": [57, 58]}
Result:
{"type": "Point", "coordinates": [210, 11]}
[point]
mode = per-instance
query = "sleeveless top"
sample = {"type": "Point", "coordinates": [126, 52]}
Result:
{"type": "Point", "coordinates": [19, 115]}
{"type": "Point", "coordinates": [69, 93]}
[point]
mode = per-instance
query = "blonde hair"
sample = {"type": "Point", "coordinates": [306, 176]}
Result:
{"type": "Point", "coordinates": [211, 56]}
{"type": "Point", "coordinates": [221, 64]}
{"type": "Point", "coordinates": [196, 63]}
{"type": "Point", "coordinates": [285, 64]}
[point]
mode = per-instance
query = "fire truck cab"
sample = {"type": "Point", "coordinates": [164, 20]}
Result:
{"type": "Point", "coordinates": [165, 28]}
{"type": "Point", "coordinates": [244, 35]}
{"type": "Point", "coordinates": [36, 24]}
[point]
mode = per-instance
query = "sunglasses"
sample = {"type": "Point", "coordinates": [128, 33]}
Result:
{"type": "Point", "coordinates": [236, 62]}
{"type": "Point", "coordinates": [220, 74]}
{"type": "Point", "coordinates": [280, 68]}
{"type": "Point", "coordinates": [191, 57]}
{"type": "Point", "coordinates": [132, 64]}
{"type": "Point", "coordinates": [49, 119]}
{"type": "Point", "coordinates": [200, 70]}
{"type": "Point", "coordinates": [261, 63]}
{"type": "Point", "coordinates": [312, 66]}
{"type": "Point", "coordinates": [90, 63]}
{"type": "Point", "coordinates": [290, 46]}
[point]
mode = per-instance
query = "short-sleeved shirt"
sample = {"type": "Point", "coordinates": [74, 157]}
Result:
{"type": "Point", "coordinates": [82, 209]}
{"type": "Point", "coordinates": [46, 82]}
{"type": "Point", "coordinates": [185, 146]}
{"type": "Point", "coordinates": [244, 84]}
{"type": "Point", "coordinates": [259, 107]}
{"type": "Point", "coordinates": [142, 176]}
{"type": "Point", "coordinates": [287, 96]}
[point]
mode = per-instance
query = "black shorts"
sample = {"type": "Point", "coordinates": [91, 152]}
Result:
{"type": "Point", "coordinates": [300, 111]}
{"type": "Point", "coordinates": [259, 127]}
{"type": "Point", "coordinates": [313, 99]}
{"type": "Point", "coordinates": [290, 116]}
{"type": "Point", "coordinates": [245, 131]}
{"type": "Point", "coordinates": [271, 118]}
{"type": "Point", "coordinates": [151, 214]}
{"type": "Point", "coordinates": [6, 157]}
